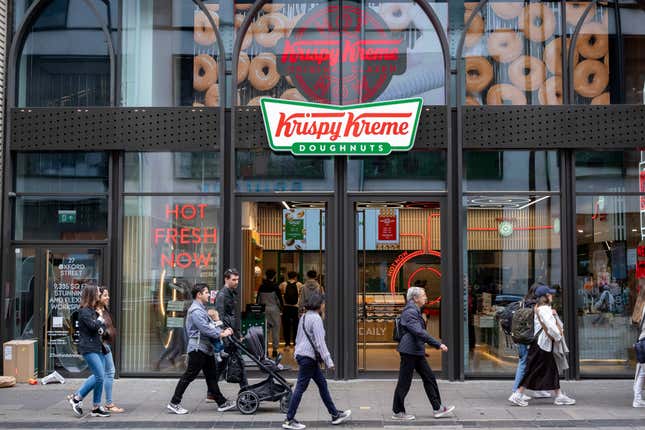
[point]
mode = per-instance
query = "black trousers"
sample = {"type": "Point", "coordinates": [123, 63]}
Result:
{"type": "Point", "coordinates": [410, 363]}
{"type": "Point", "coordinates": [289, 324]}
{"type": "Point", "coordinates": [199, 361]}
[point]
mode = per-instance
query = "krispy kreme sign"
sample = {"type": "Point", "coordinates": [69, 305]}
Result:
{"type": "Point", "coordinates": [341, 53]}
{"type": "Point", "coordinates": [304, 128]}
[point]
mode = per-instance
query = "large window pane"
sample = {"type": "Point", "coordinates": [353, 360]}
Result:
{"type": "Point", "coordinates": [511, 171]}
{"type": "Point", "coordinates": [66, 172]}
{"type": "Point", "coordinates": [512, 242]}
{"type": "Point", "coordinates": [609, 232]}
{"type": "Point", "coordinates": [169, 244]}
{"type": "Point", "coordinates": [184, 172]}
{"type": "Point", "coordinates": [61, 218]}
{"type": "Point", "coordinates": [609, 171]}
{"type": "Point", "coordinates": [632, 16]}
{"type": "Point", "coordinates": [415, 170]}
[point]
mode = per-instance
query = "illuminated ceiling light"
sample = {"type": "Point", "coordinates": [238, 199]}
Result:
{"type": "Point", "coordinates": [286, 206]}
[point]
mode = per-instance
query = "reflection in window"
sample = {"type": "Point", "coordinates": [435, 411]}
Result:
{"type": "Point", "coordinates": [608, 236]}
{"type": "Point", "coordinates": [169, 244]}
{"type": "Point", "coordinates": [62, 172]}
{"type": "Point", "coordinates": [65, 60]}
{"type": "Point", "coordinates": [513, 241]}
{"type": "Point", "coordinates": [632, 16]}
{"type": "Point", "coordinates": [608, 171]}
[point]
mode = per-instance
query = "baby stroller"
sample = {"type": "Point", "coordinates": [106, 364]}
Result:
{"type": "Point", "coordinates": [274, 388]}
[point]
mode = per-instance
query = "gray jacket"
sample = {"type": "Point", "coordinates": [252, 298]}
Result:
{"type": "Point", "coordinates": [201, 333]}
{"type": "Point", "coordinates": [415, 335]}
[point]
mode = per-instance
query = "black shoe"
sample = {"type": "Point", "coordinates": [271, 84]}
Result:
{"type": "Point", "coordinates": [100, 412]}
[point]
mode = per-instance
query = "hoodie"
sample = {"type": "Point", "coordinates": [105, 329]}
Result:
{"type": "Point", "coordinates": [310, 287]}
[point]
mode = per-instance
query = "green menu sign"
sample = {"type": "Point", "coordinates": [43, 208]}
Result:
{"type": "Point", "coordinates": [294, 229]}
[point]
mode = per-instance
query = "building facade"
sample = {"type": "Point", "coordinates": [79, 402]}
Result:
{"type": "Point", "coordinates": [136, 157]}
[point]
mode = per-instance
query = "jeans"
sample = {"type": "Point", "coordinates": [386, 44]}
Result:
{"type": "Point", "coordinates": [96, 362]}
{"type": "Point", "coordinates": [523, 352]}
{"type": "Point", "coordinates": [199, 361]}
{"type": "Point", "coordinates": [410, 363]}
{"type": "Point", "coordinates": [108, 380]}
{"type": "Point", "coordinates": [307, 371]}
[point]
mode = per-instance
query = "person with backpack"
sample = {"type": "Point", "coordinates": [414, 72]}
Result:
{"type": "Point", "coordinates": [291, 295]}
{"type": "Point", "coordinates": [542, 371]}
{"type": "Point", "coordinates": [639, 376]}
{"type": "Point", "coordinates": [310, 352]}
{"type": "Point", "coordinates": [310, 287]}
{"type": "Point", "coordinates": [269, 296]}
{"type": "Point", "coordinates": [522, 311]}
{"type": "Point", "coordinates": [414, 337]}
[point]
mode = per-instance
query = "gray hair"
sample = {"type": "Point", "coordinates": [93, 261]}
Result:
{"type": "Point", "coordinates": [414, 292]}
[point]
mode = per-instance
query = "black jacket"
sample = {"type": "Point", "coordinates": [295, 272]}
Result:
{"type": "Point", "coordinates": [415, 335]}
{"type": "Point", "coordinates": [228, 307]}
{"type": "Point", "coordinates": [90, 330]}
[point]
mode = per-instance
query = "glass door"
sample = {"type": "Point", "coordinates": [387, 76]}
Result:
{"type": "Point", "coordinates": [398, 246]}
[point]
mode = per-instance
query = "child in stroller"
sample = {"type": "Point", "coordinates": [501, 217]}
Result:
{"type": "Point", "coordinates": [274, 387]}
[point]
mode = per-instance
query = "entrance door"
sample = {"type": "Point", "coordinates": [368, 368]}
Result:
{"type": "Point", "coordinates": [49, 283]}
{"type": "Point", "coordinates": [283, 248]}
{"type": "Point", "coordinates": [398, 246]}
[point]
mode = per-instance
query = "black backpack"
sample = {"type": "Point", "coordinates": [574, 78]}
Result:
{"type": "Point", "coordinates": [505, 316]}
{"type": "Point", "coordinates": [399, 330]}
{"type": "Point", "coordinates": [291, 293]}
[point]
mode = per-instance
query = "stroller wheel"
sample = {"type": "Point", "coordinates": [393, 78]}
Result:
{"type": "Point", "coordinates": [284, 403]}
{"type": "Point", "coordinates": [248, 402]}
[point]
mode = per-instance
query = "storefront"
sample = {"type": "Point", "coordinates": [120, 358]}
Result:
{"type": "Point", "coordinates": [138, 158]}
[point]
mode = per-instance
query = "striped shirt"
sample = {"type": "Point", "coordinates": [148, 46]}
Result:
{"type": "Point", "coordinates": [316, 331]}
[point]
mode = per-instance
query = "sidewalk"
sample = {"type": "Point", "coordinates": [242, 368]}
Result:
{"type": "Point", "coordinates": [480, 404]}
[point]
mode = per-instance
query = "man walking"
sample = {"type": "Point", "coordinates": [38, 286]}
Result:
{"type": "Point", "coordinates": [200, 352]}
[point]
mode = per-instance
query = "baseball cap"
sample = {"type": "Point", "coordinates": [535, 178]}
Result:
{"type": "Point", "coordinates": [543, 290]}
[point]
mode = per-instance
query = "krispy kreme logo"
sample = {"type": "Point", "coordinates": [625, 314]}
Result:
{"type": "Point", "coordinates": [341, 53]}
{"type": "Point", "coordinates": [304, 128]}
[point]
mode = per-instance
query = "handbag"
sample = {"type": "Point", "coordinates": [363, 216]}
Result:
{"type": "Point", "coordinates": [319, 359]}
{"type": "Point", "coordinates": [639, 346]}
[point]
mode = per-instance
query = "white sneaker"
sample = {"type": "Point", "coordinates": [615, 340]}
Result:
{"type": "Point", "coordinates": [526, 398]}
{"type": "Point", "coordinates": [638, 403]}
{"type": "Point", "coordinates": [402, 416]}
{"type": "Point", "coordinates": [443, 411]}
{"type": "Point", "coordinates": [177, 409]}
{"type": "Point", "coordinates": [226, 406]}
{"type": "Point", "coordinates": [516, 399]}
{"type": "Point", "coordinates": [342, 416]}
{"type": "Point", "coordinates": [293, 424]}
{"type": "Point", "coordinates": [564, 400]}
{"type": "Point", "coordinates": [542, 394]}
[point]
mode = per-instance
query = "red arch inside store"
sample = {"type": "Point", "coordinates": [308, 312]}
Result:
{"type": "Point", "coordinates": [404, 260]}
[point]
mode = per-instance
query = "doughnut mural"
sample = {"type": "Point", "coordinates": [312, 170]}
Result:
{"type": "Point", "coordinates": [205, 66]}
{"type": "Point", "coordinates": [340, 52]}
{"type": "Point", "coordinates": [513, 53]}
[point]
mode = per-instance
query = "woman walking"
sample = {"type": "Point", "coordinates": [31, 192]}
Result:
{"type": "Point", "coordinates": [108, 337]}
{"type": "Point", "coordinates": [310, 351]}
{"type": "Point", "coordinates": [91, 327]}
{"type": "Point", "coordinates": [639, 377]}
{"type": "Point", "coordinates": [541, 368]}
{"type": "Point", "coordinates": [412, 351]}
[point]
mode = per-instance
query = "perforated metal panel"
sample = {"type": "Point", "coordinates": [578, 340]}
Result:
{"type": "Point", "coordinates": [148, 129]}
{"type": "Point", "coordinates": [573, 126]}
{"type": "Point", "coordinates": [250, 132]}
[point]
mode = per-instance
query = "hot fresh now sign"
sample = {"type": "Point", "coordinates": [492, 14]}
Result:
{"type": "Point", "coordinates": [318, 129]}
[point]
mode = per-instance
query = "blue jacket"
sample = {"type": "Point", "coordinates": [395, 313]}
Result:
{"type": "Point", "coordinates": [201, 333]}
{"type": "Point", "coordinates": [415, 335]}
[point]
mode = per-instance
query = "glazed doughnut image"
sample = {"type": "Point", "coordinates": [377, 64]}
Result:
{"type": "Point", "coordinates": [248, 37]}
{"type": "Point", "coordinates": [395, 15]}
{"type": "Point", "coordinates": [204, 72]}
{"type": "Point", "coordinates": [593, 41]}
{"type": "Point", "coordinates": [504, 45]}
{"type": "Point", "coordinates": [270, 28]}
{"type": "Point", "coordinates": [510, 10]}
{"type": "Point", "coordinates": [255, 101]}
{"type": "Point", "coordinates": [479, 74]}
{"type": "Point", "coordinates": [292, 94]}
{"type": "Point", "coordinates": [527, 72]}
{"type": "Point", "coordinates": [271, 8]}
{"type": "Point", "coordinates": [505, 94]}
{"type": "Point", "coordinates": [475, 31]}
{"type": "Point", "coordinates": [551, 92]}
{"type": "Point", "coordinates": [575, 10]}
{"type": "Point", "coordinates": [590, 78]}
{"type": "Point", "coordinates": [242, 67]}
{"type": "Point", "coordinates": [603, 99]}
{"type": "Point", "coordinates": [212, 96]}
{"type": "Point", "coordinates": [553, 55]}
{"type": "Point", "coordinates": [539, 22]}
{"type": "Point", "coordinates": [263, 72]}
{"type": "Point", "coordinates": [471, 101]}
{"type": "Point", "coordinates": [203, 32]}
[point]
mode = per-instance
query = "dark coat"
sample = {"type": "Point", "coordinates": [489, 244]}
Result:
{"type": "Point", "coordinates": [227, 304]}
{"type": "Point", "coordinates": [90, 331]}
{"type": "Point", "coordinates": [415, 335]}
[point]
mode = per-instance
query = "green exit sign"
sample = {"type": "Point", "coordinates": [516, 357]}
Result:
{"type": "Point", "coordinates": [66, 217]}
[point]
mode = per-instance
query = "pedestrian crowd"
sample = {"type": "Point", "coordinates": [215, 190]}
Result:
{"type": "Point", "coordinates": [215, 336]}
